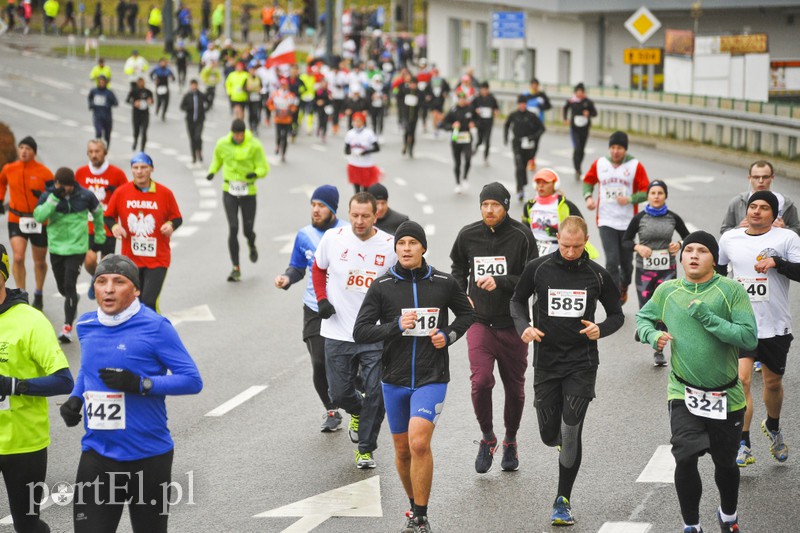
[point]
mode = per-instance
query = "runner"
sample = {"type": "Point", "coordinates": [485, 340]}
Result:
{"type": "Point", "coordinates": [123, 394]}
{"type": "Point", "coordinates": [763, 259]}
{"type": "Point", "coordinates": [242, 159]}
{"type": "Point", "coordinates": [100, 69]}
{"type": "Point", "coordinates": [486, 108]}
{"type": "Point", "coordinates": [378, 101]}
{"type": "Point", "coordinates": [283, 104]}
{"type": "Point", "coordinates": [66, 209]}
{"type": "Point", "coordinates": [347, 261]}
{"type": "Point", "coordinates": [140, 98]}
{"type": "Point", "coordinates": [359, 143]}
{"type": "Point", "coordinates": [324, 107]}
{"type": "Point", "coordinates": [26, 180]}
{"type": "Point", "coordinates": [161, 76]}
{"type": "Point", "coordinates": [101, 178]}
{"type": "Point", "coordinates": [527, 129]}
{"type": "Point", "coordinates": [254, 104]}
{"type": "Point", "coordinates": [460, 120]}
{"type": "Point", "coordinates": [622, 185]}
{"type": "Point", "coordinates": [655, 251]}
{"type": "Point", "coordinates": [210, 75]}
{"type": "Point", "coordinates": [438, 91]}
{"type": "Point", "coordinates": [182, 58]}
{"type": "Point", "coordinates": [566, 286]}
{"type": "Point", "coordinates": [578, 113]}
{"type": "Point", "coordinates": [388, 219]}
{"type": "Point", "coordinates": [235, 89]}
{"type": "Point", "coordinates": [135, 68]}
{"type": "Point", "coordinates": [324, 203]}
{"type": "Point", "coordinates": [194, 106]}
{"type": "Point", "coordinates": [412, 100]}
{"type": "Point", "coordinates": [547, 210]}
{"type": "Point", "coordinates": [537, 101]}
{"type": "Point", "coordinates": [150, 213]}
{"type": "Point", "coordinates": [761, 177]}
{"type": "Point", "coordinates": [710, 320]}
{"type": "Point", "coordinates": [488, 257]}
{"type": "Point", "coordinates": [101, 100]}
{"type": "Point", "coordinates": [32, 367]}
{"type": "Point", "coordinates": [407, 310]}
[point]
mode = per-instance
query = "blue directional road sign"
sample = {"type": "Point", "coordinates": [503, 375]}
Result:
{"type": "Point", "coordinates": [508, 28]}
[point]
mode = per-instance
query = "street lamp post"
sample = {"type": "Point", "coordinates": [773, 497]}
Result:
{"type": "Point", "coordinates": [169, 33]}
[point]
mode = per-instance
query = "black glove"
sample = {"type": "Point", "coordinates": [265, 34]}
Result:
{"type": "Point", "coordinates": [60, 192]}
{"type": "Point", "coordinates": [36, 192]}
{"type": "Point", "coordinates": [326, 309]}
{"type": "Point", "coordinates": [2, 209]}
{"type": "Point", "coordinates": [210, 176]}
{"type": "Point", "coordinates": [6, 384]}
{"type": "Point", "coordinates": [72, 411]}
{"type": "Point", "coordinates": [121, 379]}
{"type": "Point", "coordinates": [251, 176]}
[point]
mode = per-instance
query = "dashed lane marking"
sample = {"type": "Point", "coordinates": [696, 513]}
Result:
{"type": "Point", "coordinates": [319, 148]}
{"type": "Point", "coordinates": [660, 468]}
{"type": "Point", "coordinates": [201, 216]}
{"type": "Point", "coordinates": [208, 193]}
{"type": "Point", "coordinates": [237, 400]}
{"type": "Point", "coordinates": [625, 527]}
{"type": "Point", "coordinates": [427, 209]}
{"type": "Point", "coordinates": [30, 110]}
{"type": "Point", "coordinates": [421, 198]}
{"type": "Point", "coordinates": [208, 204]}
{"type": "Point", "coordinates": [400, 181]}
{"type": "Point", "coordinates": [185, 231]}
{"type": "Point", "coordinates": [430, 229]}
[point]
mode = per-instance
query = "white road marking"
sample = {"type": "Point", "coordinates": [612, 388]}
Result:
{"type": "Point", "coordinates": [30, 110]}
{"type": "Point", "coordinates": [8, 520]}
{"type": "Point", "coordinates": [681, 183]}
{"type": "Point", "coordinates": [359, 499]}
{"type": "Point", "coordinates": [185, 231]}
{"type": "Point", "coordinates": [289, 239]}
{"type": "Point", "coordinates": [200, 174]}
{"type": "Point", "coordinates": [157, 146]}
{"type": "Point", "coordinates": [543, 162]}
{"type": "Point", "coordinates": [660, 468]}
{"type": "Point", "coordinates": [564, 171]}
{"type": "Point", "coordinates": [201, 216]}
{"type": "Point", "coordinates": [169, 151]}
{"type": "Point", "coordinates": [305, 188]}
{"type": "Point", "coordinates": [208, 204]}
{"type": "Point", "coordinates": [237, 400]}
{"type": "Point", "coordinates": [198, 313]}
{"type": "Point", "coordinates": [421, 198]}
{"type": "Point", "coordinates": [624, 527]}
{"type": "Point", "coordinates": [88, 129]}
{"type": "Point", "coordinates": [184, 158]}
{"type": "Point", "coordinates": [430, 229]}
{"type": "Point", "coordinates": [691, 227]}
{"type": "Point", "coordinates": [70, 123]}
{"type": "Point", "coordinates": [427, 209]}
{"type": "Point", "coordinates": [400, 181]}
{"type": "Point", "coordinates": [319, 148]}
{"type": "Point", "coordinates": [81, 288]}
{"type": "Point", "coordinates": [208, 193]}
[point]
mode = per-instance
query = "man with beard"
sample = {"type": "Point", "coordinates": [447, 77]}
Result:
{"type": "Point", "coordinates": [324, 203]}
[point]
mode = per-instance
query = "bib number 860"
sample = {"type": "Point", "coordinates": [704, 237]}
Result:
{"type": "Point", "coordinates": [359, 281]}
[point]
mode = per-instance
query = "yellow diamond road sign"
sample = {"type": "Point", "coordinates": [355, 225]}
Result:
{"type": "Point", "coordinates": [642, 24]}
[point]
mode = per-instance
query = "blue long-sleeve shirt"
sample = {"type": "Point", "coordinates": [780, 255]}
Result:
{"type": "Point", "coordinates": [101, 101]}
{"type": "Point", "coordinates": [148, 346]}
{"type": "Point", "coordinates": [305, 244]}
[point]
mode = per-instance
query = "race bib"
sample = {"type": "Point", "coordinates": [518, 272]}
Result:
{"type": "Point", "coordinates": [708, 404]}
{"type": "Point", "coordinates": [99, 100]}
{"type": "Point", "coordinates": [757, 288]}
{"type": "Point", "coordinates": [377, 102]}
{"type": "Point", "coordinates": [237, 188]}
{"type": "Point", "coordinates": [463, 137]}
{"type": "Point", "coordinates": [142, 105]}
{"type": "Point", "coordinates": [426, 321]}
{"type": "Point", "coordinates": [580, 121]}
{"type": "Point", "coordinates": [485, 112]}
{"type": "Point", "coordinates": [162, 90]}
{"type": "Point", "coordinates": [437, 92]}
{"type": "Point", "coordinates": [104, 410]}
{"type": "Point", "coordinates": [307, 97]}
{"type": "Point", "coordinates": [544, 247]}
{"type": "Point", "coordinates": [489, 266]}
{"type": "Point", "coordinates": [611, 192]}
{"type": "Point", "coordinates": [658, 260]}
{"type": "Point", "coordinates": [422, 85]}
{"type": "Point", "coordinates": [527, 143]}
{"type": "Point", "coordinates": [5, 403]}
{"type": "Point", "coordinates": [29, 226]}
{"type": "Point", "coordinates": [359, 280]}
{"type": "Point", "coordinates": [144, 246]}
{"type": "Point", "coordinates": [566, 302]}
{"type": "Point", "coordinates": [328, 109]}
{"type": "Point", "coordinates": [411, 100]}
{"type": "Point", "coordinates": [255, 97]}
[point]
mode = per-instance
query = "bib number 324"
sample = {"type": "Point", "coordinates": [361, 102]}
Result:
{"type": "Point", "coordinates": [708, 404]}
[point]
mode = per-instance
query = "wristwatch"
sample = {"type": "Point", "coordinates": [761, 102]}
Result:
{"type": "Point", "coordinates": [147, 385]}
{"type": "Point", "coordinates": [21, 387]}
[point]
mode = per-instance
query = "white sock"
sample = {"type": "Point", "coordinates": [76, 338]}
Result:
{"type": "Point", "coordinates": [727, 518]}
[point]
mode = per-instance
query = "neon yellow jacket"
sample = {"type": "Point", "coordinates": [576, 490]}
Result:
{"type": "Point", "coordinates": [154, 19]}
{"type": "Point", "coordinates": [98, 71]}
{"type": "Point", "coordinates": [51, 8]}
{"type": "Point", "coordinates": [235, 86]}
{"type": "Point", "coordinates": [239, 160]}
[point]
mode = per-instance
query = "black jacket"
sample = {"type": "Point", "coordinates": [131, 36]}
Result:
{"type": "Point", "coordinates": [412, 361]}
{"type": "Point", "coordinates": [510, 239]}
{"type": "Point", "coordinates": [464, 115]}
{"type": "Point", "coordinates": [391, 221]}
{"type": "Point", "coordinates": [188, 107]}
{"type": "Point", "coordinates": [523, 124]}
{"type": "Point", "coordinates": [563, 348]}
{"type": "Point", "coordinates": [13, 297]}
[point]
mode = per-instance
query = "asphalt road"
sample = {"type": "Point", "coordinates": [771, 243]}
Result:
{"type": "Point", "coordinates": [267, 452]}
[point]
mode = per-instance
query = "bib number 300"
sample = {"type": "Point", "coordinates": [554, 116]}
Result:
{"type": "Point", "coordinates": [105, 410]}
{"type": "Point", "coordinates": [708, 404]}
{"type": "Point", "coordinates": [566, 303]}
{"type": "Point", "coordinates": [426, 321]}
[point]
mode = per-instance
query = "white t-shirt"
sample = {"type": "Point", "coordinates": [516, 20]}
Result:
{"type": "Point", "coordinates": [769, 293]}
{"type": "Point", "coordinates": [615, 182]}
{"type": "Point", "coordinates": [352, 266]}
{"type": "Point", "coordinates": [209, 56]}
{"type": "Point", "coordinates": [360, 140]}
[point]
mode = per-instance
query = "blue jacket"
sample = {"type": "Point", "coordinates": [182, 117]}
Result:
{"type": "Point", "coordinates": [101, 101]}
{"type": "Point", "coordinates": [305, 244]}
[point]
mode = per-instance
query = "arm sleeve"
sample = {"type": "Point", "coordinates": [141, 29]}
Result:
{"type": "Point", "coordinates": [78, 388]}
{"type": "Point", "coordinates": [680, 226]}
{"type": "Point", "coordinates": [506, 126]}
{"type": "Point", "coordinates": [520, 312]}
{"type": "Point", "coordinates": [647, 317]}
{"type": "Point", "coordinates": [97, 214]}
{"type": "Point", "coordinates": [460, 265]}
{"type": "Point", "coordinates": [592, 110]}
{"type": "Point", "coordinates": [546, 105]}
{"type": "Point", "coordinates": [609, 297]}
{"type": "Point", "coordinates": [740, 331]}
{"type": "Point", "coordinates": [630, 233]}
{"type": "Point", "coordinates": [216, 160]}
{"type": "Point", "coordinates": [508, 282]}
{"type": "Point", "coordinates": [113, 99]}
{"type": "Point", "coordinates": [90, 100]}
{"type": "Point", "coordinates": [174, 212]}
{"type": "Point", "coordinates": [55, 384]}
{"type": "Point", "coordinates": [184, 378]}
{"type": "Point", "coordinates": [538, 127]}
{"type": "Point", "coordinates": [319, 279]}
{"type": "Point", "coordinates": [730, 222]}
{"type": "Point", "coordinates": [640, 183]}
{"type": "Point", "coordinates": [789, 266]}
{"type": "Point", "coordinates": [367, 329]}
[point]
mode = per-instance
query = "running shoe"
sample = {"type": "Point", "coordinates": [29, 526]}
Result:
{"type": "Point", "coordinates": [331, 421]}
{"type": "Point", "coordinates": [757, 366]}
{"type": "Point", "coordinates": [65, 337]}
{"type": "Point", "coordinates": [457, 190]}
{"type": "Point", "coordinates": [562, 513]}
{"type": "Point", "coordinates": [692, 529]}
{"type": "Point", "coordinates": [778, 449]}
{"type": "Point", "coordinates": [364, 460]}
{"type": "Point", "coordinates": [421, 525]}
{"type": "Point", "coordinates": [465, 184]}
{"type": "Point", "coordinates": [623, 294]}
{"type": "Point", "coordinates": [483, 463]}
{"type": "Point", "coordinates": [235, 275]}
{"type": "Point", "coordinates": [90, 293]}
{"type": "Point", "coordinates": [659, 359]}
{"type": "Point", "coordinates": [352, 430]}
{"type": "Point", "coordinates": [253, 253]}
{"type": "Point", "coordinates": [38, 301]}
{"type": "Point", "coordinates": [745, 456]}
{"type": "Point", "coordinates": [410, 522]}
{"type": "Point", "coordinates": [728, 527]}
{"type": "Point", "coordinates": [510, 462]}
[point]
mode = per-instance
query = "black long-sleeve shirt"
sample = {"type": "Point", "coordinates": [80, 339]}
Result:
{"type": "Point", "coordinates": [524, 125]}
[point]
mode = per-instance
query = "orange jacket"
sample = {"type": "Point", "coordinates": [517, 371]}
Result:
{"type": "Point", "coordinates": [283, 104]}
{"type": "Point", "coordinates": [267, 16]}
{"type": "Point", "coordinates": [21, 179]}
